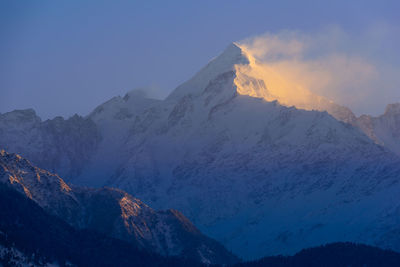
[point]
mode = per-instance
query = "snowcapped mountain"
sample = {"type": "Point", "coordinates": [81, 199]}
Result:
{"type": "Point", "coordinates": [72, 146]}
{"type": "Point", "coordinates": [257, 163]}
{"type": "Point", "coordinates": [260, 177]}
{"type": "Point", "coordinates": [112, 212]}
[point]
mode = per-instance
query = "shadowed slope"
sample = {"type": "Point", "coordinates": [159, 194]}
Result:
{"type": "Point", "coordinates": [41, 238]}
{"type": "Point", "coordinates": [112, 212]}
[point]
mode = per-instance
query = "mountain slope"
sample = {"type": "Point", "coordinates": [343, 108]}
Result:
{"type": "Point", "coordinates": [111, 212]}
{"type": "Point", "coordinates": [259, 176]}
{"type": "Point", "coordinates": [71, 146]}
{"type": "Point", "coordinates": [30, 236]}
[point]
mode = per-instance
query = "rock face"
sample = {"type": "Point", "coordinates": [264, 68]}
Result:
{"type": "Point", "coordinates": [29, 236]}
{"type": "Point", "coordinates": [111, 212]}
{"type": "Point", "coordinates": [265, 168]}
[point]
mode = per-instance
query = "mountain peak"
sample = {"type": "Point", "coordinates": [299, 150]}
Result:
{"type": "Point", "coordinates": [232, 55]}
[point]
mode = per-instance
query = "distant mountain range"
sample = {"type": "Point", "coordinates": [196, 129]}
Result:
{"type": "Point", "coordinates": [258, 164]}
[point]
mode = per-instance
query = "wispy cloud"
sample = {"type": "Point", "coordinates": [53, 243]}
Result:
{"type": "Point", "coordinates": [359, 71]}
{"type": "Point", "coordinates": [153, 91]}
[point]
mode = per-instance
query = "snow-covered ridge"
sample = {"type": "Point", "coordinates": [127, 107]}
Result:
{"type": "Point", "coordinates": [65, 145]}
{"type": "Point", "coordinates": [232, 55]}
{"type": "Point", "coordinates": [122, 108]}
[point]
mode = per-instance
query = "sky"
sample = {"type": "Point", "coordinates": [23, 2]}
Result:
{"type": "Point", "coordinates": [67, 57]}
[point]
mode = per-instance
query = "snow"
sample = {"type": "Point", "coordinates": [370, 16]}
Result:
{"type": "Point", "coordinates": [226, 62]}
{"type": "Point", "coordinates": [17, 258]}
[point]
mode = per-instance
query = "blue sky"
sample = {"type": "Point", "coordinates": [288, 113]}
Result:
{"type": "Point", "coordinates": [62, 57]}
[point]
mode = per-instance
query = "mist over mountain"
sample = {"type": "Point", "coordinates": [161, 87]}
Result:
{"type": "Point", "coordinates": [351, 69]}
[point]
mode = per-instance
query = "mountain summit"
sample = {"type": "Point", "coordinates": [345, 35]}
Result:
{"type": "Point", "coordinates": [232, 56]}
{"type": "Point", "coordinates": [256, 79]}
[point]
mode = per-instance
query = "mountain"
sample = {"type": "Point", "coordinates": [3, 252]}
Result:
{"type": "Point", "coordinates": [260, 165]}
{"type": "Point", "coordinates": [260, 177]}
{"type": "Point", "coordinates": [384, 129]}
{"type": "Point", "coordinates": [59, 145]}
{"type": "Point", "coordinates": [71, 146]}
{"type": "Point", "coordinates": [32, 237]}
{"type": "Point", "coordinates": [111, 212]}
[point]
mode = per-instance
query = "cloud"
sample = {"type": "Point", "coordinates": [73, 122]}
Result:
{"type": "Point", "coordinates": [153, 91]}
{"type": "Point", "coordinates": [359, 71]}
